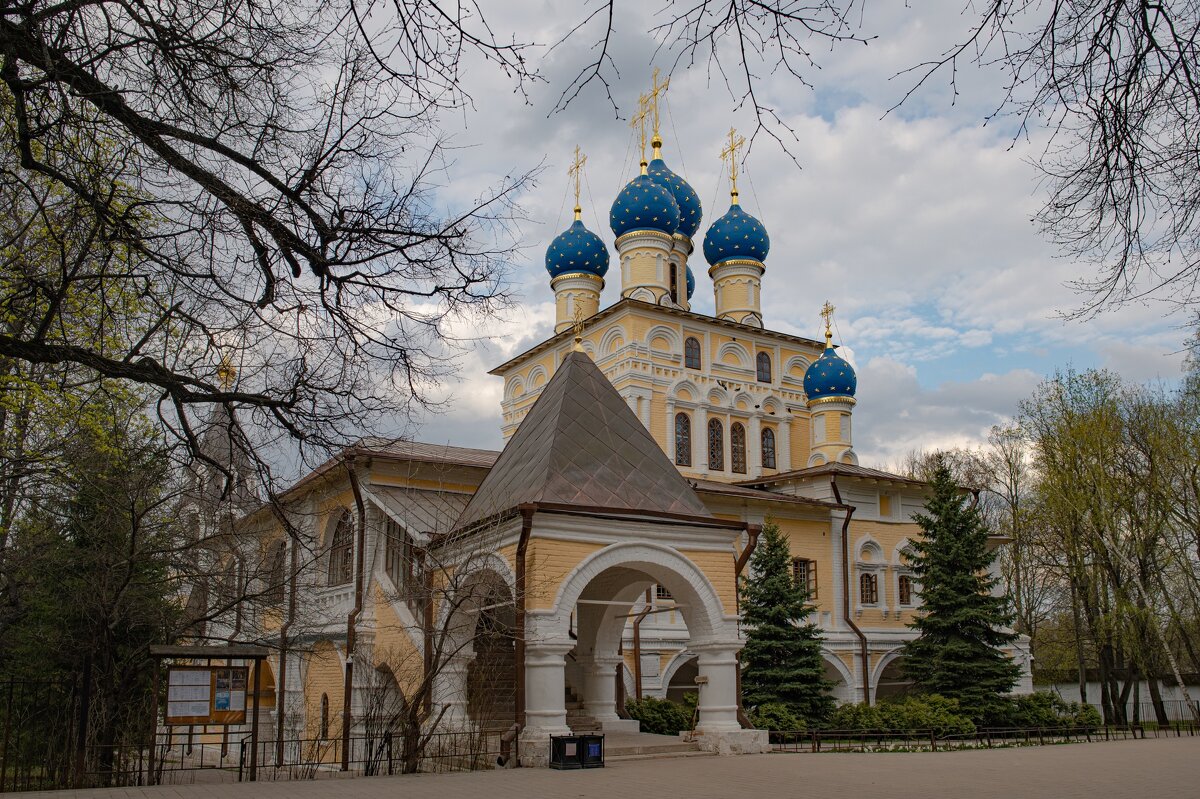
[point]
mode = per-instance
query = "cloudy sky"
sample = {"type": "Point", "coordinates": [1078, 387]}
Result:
{"type": "Point", "coordinates": [915, 224]}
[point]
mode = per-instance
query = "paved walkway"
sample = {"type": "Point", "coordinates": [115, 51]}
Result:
{"type": "Point", "coordinates": [1114, 770]}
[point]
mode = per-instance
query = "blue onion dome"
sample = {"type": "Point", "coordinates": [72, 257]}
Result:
{"type": "Point", "coordinates": [830, 376]}
{"type": "Point", "coordinates": [577, 249]}
{"type": "Point", "coordinates": [736, 235]}
{"type": "Point", "coordinates": [690, 211]}
{"type": "Point", "coordinates": [644, 205]}
{"type": "Point", "coordinates": [691, 282]}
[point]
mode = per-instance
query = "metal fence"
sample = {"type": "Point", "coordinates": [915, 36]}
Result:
{"type": "Point", "coordinates": [1143, 712]}
{"type": "Point", "coordinates": [178, 758]}
{"type": "Point", "coordinates": [37, 734]}
{"type": "Point", "coordinates": [982, 738]}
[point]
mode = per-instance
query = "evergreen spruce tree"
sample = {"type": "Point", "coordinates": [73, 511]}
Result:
{"type": "Point", "coordinates": [962, 625]}
{"type": "Point", "coordinates": [781, 661]}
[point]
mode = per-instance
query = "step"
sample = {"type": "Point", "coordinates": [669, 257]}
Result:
{"type": "Point", "coordinates": [654, 749]}
{"type": "Point", "coordinates": [655, 756]}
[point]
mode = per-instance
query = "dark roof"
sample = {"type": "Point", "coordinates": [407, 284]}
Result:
{"type": "Point", "coordinates": [661, 310]}
{"type": "Point", "coordinates": [580, 444]}
{"type": "Point", "coordinates": [741, 491]}
{"type": "Point", "coordinates": [838, 469]}
{"type": "Point", "coordinates": [429, 453]}
{"type": "Point", "coordinates": [419, 510]}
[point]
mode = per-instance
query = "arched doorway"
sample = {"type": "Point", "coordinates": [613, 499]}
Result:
{"type": "Point", "coordinates": [491, 675]}
{"type": "Point", "coordinates": [681, 677]}
{"type": "Point", "coordinates": [890, 680]}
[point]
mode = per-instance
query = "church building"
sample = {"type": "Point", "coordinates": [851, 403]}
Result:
{"type": "Point", "coordinates": [596, 557]}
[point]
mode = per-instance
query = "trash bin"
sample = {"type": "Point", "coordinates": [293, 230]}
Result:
{"type": "Point", "coordinates": [592, 747]}
{"type": "Point", "coordinates": [566, 752]}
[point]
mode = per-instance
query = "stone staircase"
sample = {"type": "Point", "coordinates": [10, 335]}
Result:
{"type": "Point", "coordinates": [645, 746]}
{"type": "Point", "coordinates": [579, 721]}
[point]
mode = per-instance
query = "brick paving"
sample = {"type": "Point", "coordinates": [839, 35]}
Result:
{"type": "Point", "coordinates": [1113, 770]}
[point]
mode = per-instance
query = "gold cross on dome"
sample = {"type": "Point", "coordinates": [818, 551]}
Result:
{"type": "Point", "coordinates": [576, 172]}
{"type": "Point", "coordinates": [736, 143]}
{"type": "Point", "coordinates": [656, 89]}
{"type": "Point", "coordinates": [638, 121]}
{"type": "Point", "coordinates": [578, 326]}
{"type": "Point", "coordinates": [827, 314]}
{"type": "Point", "coordinates": [226, 373]}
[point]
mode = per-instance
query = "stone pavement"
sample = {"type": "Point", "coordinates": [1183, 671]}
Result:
{"type": "Point", "coordinates": [1167, 767]}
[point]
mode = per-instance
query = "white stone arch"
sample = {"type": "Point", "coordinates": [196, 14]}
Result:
{"type": "Point", "coordinates": [536, 372]}
{"type": "Point", "coordinates": [898, 552]}
{"type": "Point", "coordinates": [848, 456]}
{"type": "Point", "coordinates": [701, 607]}
{"type": "Point", "coordinates": [690, 387]}
{"type": "Point", "coordinates": [642, 294]}
{"type": "Point", "coordinates": [745, 397]}
{"type": "Point", "coordinates": [772, 405]}
{"type": "Point", "coordinates": [889, 657]}
{"type": "Point", "coordinates": [612, 340]}
{"type": "Point", "coordinates": [676, 662]}
{"type": "Point", "coordinates": [817, 459]}
{"type": "Point", "coordinates": [868, 545]}
{"type": "Point", "coordinates": [738, 351]}
{"type": "Point", "coordinates": [718, 397]}
{"type": "Point", "coordinates": [845, 692]}
{"type": "Point", "coordinates": [674, 340]}
{"type": "Point", "coordinates": [514, 388]}
{"type": "Point", "coordinates": [796, 361]}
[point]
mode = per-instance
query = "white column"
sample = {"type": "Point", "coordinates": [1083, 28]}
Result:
{"type": "Point", "coordinates": [600, 687]}
{"type": "Point", "coordinates": [450, 691]}
{"type": "Point", "coordinates": [545, 687]}
{"type": "Point", "coordinates": [783, 444]}
{"type": "Point", "coordinates": [718, 706]}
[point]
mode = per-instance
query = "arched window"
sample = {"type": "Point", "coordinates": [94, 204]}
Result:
{"type": "Point", "coordinates": [768, 448]}
{"type": "Point", "coordinates": [341, 551]}
{"type": "Point", "coordinates": [683, 439]}
{"type": "Point", "coordinates": [716, 445]}
{"type": "Point", "coordinates": [737, 447]}
{"type": "Point", "coordinates": [674, 285]}
{"type": "Point", "coordinates": [868, 589]}
{"type": "Point", "coordinates": [691, 353]}
{"type": "Point", "coordinates": [764, 367]}
{"type": "Point", "coordinates": [277, 577]}
{"type": "Point", "coordinates": [324, 716]}
{"type": "Point", "coordinates": [905, 590]}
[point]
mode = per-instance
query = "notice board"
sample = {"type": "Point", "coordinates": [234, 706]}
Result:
{"type": "Point", "coordinates": [207, 694]}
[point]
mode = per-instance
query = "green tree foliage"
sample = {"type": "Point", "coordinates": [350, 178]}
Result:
{"type": "Point", "coordinates": [782, 660]}
{"type": "Point", "coordinates": [962, 626]}
{"type": "Point", "coordinates": [91, 571]}
{"type": "Point", "coordinates": [659, 716]}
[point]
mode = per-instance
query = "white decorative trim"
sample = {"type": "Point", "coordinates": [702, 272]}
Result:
{"type": "Point", "coordinates": [740, 352]}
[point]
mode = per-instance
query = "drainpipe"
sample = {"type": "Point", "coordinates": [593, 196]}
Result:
{"type": "Point", "coordinates": [527, 511]}
{"type": "Point", "coordinates": [862, 639]}
{"type": "Point", "coordinates": [753, 530]}
{"type": "Point", "coordinates": [281, 678]}
{"type": "Point", "coordinates": [348, 687]}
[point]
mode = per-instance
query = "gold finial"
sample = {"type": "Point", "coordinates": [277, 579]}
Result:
{"type": "Point", "coordinates": [656, 89]}
{"type": "Point", "coordinates": [576, 172]}
{"type": "Point", "coordinates": [638, 123]}
{"type": "Point", "coordinates": [226, 373]}
{"type": "Point", "coordinates": [578, 326]}
{"type": "Point", "coordinates": [736, 143]}
{"type": "Point", "coordinates": [827, 314]}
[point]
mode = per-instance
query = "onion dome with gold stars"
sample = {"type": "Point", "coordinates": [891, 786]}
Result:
{"type": "Point", "coordinates": [736, 236]}
{"type": "Point", "coordinates": [691, 282]}
{"type": "Point", "coordinates": [644, 205]}
{"type": "Point", "coordinates": [577, 249]}
{"type": "Point", "coordinates": [690, 210]}
{"type": "Point", "coordinates": [830, 375]}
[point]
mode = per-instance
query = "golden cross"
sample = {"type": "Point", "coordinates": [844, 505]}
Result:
{"type": "Point", "coordinates": [827, 314]}
{"type": "Point", "coordinates": [736, 143]}
{"type": "Point", "coordinates": [576, 172]}
{"type": "Point", "coordinates": [578, 327]}
{"type": "Point", "coordinates": [638, 121]}
{"type": "Point", "coordinates": [656, 89]}
{"type": "Point", "coordinates": [226, 374]}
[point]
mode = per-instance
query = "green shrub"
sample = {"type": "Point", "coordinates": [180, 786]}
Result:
{"type": "Point", "coordinates": [776, 716]}
{"type": "Point", "coordinates": [1042, 709]}
{"type": "Point", "coordinates": [929, 712]}
{"type": "Point", "coordinates": [659, 716]}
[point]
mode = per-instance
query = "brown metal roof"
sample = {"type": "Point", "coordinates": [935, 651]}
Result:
{"type": "Point", "coordinates": [419, 510]}
{"type": "Point", "coordinates": [837, 469]}
{"type": "Point", "coordinates": [429, 453]}
{"type": "Point", "coordinates": [741, 491]}
{"type": "Point", "coordinates": [580, 444]}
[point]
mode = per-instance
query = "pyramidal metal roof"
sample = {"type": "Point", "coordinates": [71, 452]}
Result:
{"type": "Point", "coordinates": [581, 444]}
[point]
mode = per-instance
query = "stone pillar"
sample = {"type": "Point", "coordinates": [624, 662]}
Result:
{"type": "Point", "coordinates": [450, 691]}
{"type": "Point", "coordinates": [717, 728]}
{"type": "Point", "coordinates": [600, 694]}
{"type": "Point", "coordinates": [545, 699]}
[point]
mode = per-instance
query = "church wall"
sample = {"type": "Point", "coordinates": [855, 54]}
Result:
{"type": "Point", "coordinates": [394, 644]}
{"type": "Point", "coordinates": [547, 563]}
{"type": "Point", "coordinates": [810, 539]}
{"type": "Point", "coordinates": [718, 568]}
{"type": "Point", "coordinates": [323, 675]}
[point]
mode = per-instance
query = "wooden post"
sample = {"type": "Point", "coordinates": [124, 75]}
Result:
{"type": "Point", "coordinates": [254, 721]}
{"type": "Point", "coordinates": [150, 778]}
